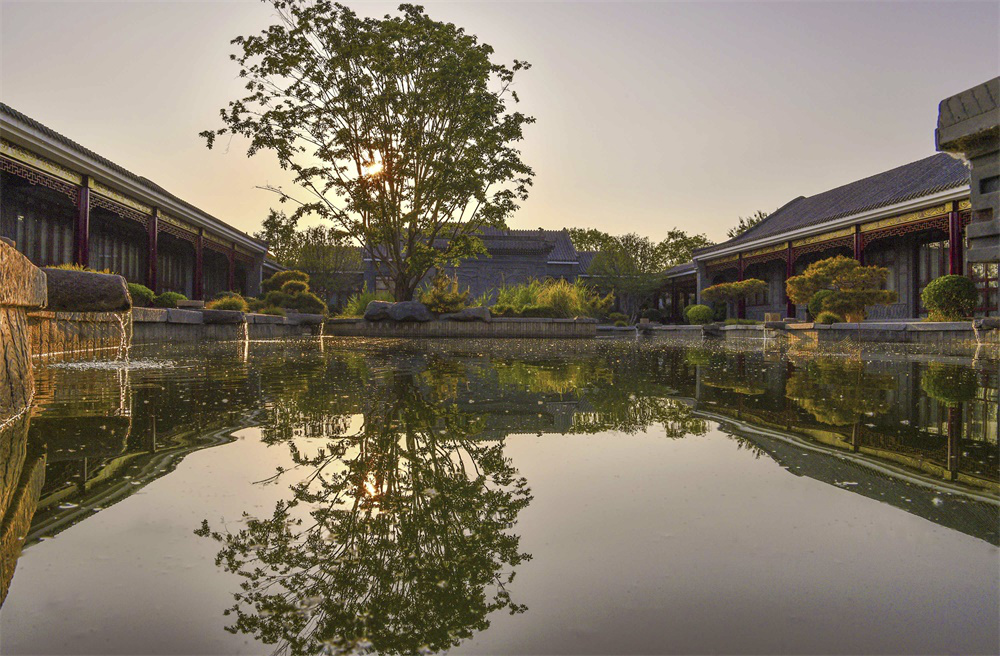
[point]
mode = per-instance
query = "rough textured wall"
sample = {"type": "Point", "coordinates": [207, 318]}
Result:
{"type": "Point", "coordinates": [22, 287]}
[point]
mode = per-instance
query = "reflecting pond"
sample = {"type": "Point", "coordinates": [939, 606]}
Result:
{"type": "Point", "coordinates": [606, 496]}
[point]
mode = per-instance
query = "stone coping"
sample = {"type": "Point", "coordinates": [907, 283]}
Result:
{"type": "Point", "coordinates": [353, 320]}
{"type": "Point", "coordinates": [172, 315]}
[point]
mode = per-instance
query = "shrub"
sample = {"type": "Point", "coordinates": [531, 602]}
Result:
{"type": "Point", "coordinates": [621, 324]}
{"type": "Point", "coordinates": [168, 300]}
{"type": "Point", "coordinates": [275, 311]}
{"type": "Point", "coordinates": [295, 287]}
{"type": "Point", "coordinates": [950, 298]}
{"type": "Point", "coordinates": [539, 312]}
{"type": "Point", "coordinates": [256, 304]}
{"type": "Point", "coordinates": [227, 294]}
{"type": "Point", "coordinates": [142, 296]}
{"type": "Point", "coordinates": [615, 317]}
{"type": "Point", "coordinates": [229, 303]}
{"type": "Point", "coordinates": [827, 317]}
{"type": "Point", "coordinates": [699, 314]}
{"type": "Point", "coordinates": [356, 304]}
{"type": "Point", "coordinates": [307, 302]}
{"type": "Point", "coordinates": [854, 286]}
{"type": "Point", "coordinates": [733, 291]}
{"type": "Point", "coordinates": [275, 298]}
{"type": "Point", "coordinates": [652, 314]}
{"type": "Point", "coordinates": [69, 266]}
{"type": "Point", "coordinates": [443, 295]}
{"type": "Point", "coordinates": [275, 282]}
{"type": "Point", "coordinates": [816, 302]}
{"type": "Point", "coordinates": [742, 322]}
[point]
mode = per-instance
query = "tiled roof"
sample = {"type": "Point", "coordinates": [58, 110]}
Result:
{"type": "Point", "coordinates": [585, 259]}
{"type": "Point", "coordinates": [69, 144]}
{"type": "Point", "coordinates": [921, 178]}
{"type": "Point", "coordinates": [562, 245]}
{"type": "Point", "coordinates": [680, 269]}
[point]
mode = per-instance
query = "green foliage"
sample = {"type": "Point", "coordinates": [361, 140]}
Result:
{"type": "Point", "coordinates": [255, 304]}
{"type": "Point", "coordinates": [950, 298]}
{"type": "Point", "coordinates": [294, 287]}
{"type": "Point", "coordinates": [854, 286]}
{"type": "Point", "coordinates": [443, 295]}
{"type": "Point", "coordinates": [229, 303]}
{"type": "Point", "coordinates": [356, 304]}
{"type": "Point", "coordinates": [741, 322]}
{"type": "Point", "coordinates": [168, 299]}
{"type": "Point", "coordinates": [400, 130]}
{"type": "Point", "coordinates": [142, 296]}
{"type": "Point", "coordinates": [827, 317]}
{"type": "Point", "coordinates": [816, 302]}
{"type": "Point", "coordinates": [306, 302]}
{"type": "Point", "coordinates": [652, 314]}
{"type": "Point", "coordinates": [557, 298]}
{"type": "Point", "coordinates": [277, 298]}
{"type": "Point", "coordinates": [275, 282]}
{"type": "Point", "coordinates": [840, 392]}
{"type": "Point", "coordinates": [274, 311]}
{"type": "Point", "coordinates": [621, 324]}
{"type": "Point", "coordinates": [69, 266]}
{"type": "Point", "coordinates": [746, 222]}
{"type": "Point", "coordinates": [732, 292]}
{"type": "Point", "coordinates": [949, 383]}
{"type": "Point", "coordinates": [615, 317]}
{"type": "Point", "coordinates": [699, 314]}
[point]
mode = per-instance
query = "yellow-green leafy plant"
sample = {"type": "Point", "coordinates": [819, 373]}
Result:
{"type": "Point", "coordinates": [854, 286]}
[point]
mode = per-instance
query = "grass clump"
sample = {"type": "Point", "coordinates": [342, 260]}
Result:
{"type": "Point", "coordinates": [551, 298]}
{"type": "Point", "coordinates": [231, 302]}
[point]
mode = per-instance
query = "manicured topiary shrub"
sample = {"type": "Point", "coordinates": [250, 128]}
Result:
{"type": "Point", "coordinates": [168, 300]}
{"type": "Point", "coordinates": [142, 296]}
{"type": "Point", "coordinates": [276, 298]}
{"type": "Point", "coordinates": [275, 282]}
{"type": "Point", "coordinates": [229, 303]}
{"type": "Point", "coordinates": [816, 302]}
{"type": "Point", "coordinates": [854, 286]}
{"type": "Point", "coordinates": [295, 287]}
{"type": "Point", "coordinates": [615, 317]}
{"type": "Point", "coordinates": [306, 302]}
{"type": "Point", "coordinates": [950, 298]}
{"type": "Point", "coordinates": [699, 314]}
{"type": "Point", "coordinates": [621, 324]}
{"type": "Point", "coordinates": [827, 317]}
{"type": "Point", "coordinates": [275, 311]}
{"type": "Point", "coordinates": [256, 304]}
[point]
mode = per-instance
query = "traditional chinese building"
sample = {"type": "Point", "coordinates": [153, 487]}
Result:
{"type": "Point", "coordinates": [911, 219]}
{"type": "Point", "coordinates": [514, 257]}
{"type": "Point", "coordinates": [61, 203]}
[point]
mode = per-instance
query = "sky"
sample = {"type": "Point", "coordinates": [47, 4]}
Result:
{"type": "Point", "coordinates": [649, 115]}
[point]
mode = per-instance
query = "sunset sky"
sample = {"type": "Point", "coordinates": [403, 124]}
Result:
{"type": "Point", "coordinates": [650, 115]}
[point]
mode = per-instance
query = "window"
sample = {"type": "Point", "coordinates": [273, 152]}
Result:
{"type": "Point", "coordinates": [985, 276]}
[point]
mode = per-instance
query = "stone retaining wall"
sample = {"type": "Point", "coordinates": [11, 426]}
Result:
{"type": "Point", "coordinates": [497, 328]}
{"type": "Point", "coordinates": [156, 325]}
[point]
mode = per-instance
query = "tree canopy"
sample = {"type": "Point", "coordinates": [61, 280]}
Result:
{"type": "Point", "coordinates": [854, 286]}
{"type": "Point", "coordinates": [747, 222]}
{"type": "Point", "coordinates": [398, 130]}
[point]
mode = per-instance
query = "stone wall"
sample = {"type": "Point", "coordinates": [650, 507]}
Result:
{"type": "Point", "coordinates": [497, 328]}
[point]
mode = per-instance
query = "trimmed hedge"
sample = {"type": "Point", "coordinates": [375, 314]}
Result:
{"type": "Point", "coordinates": [275, 282]}
{"type": "Point", "coordinates": [950, 298]}
{"type": "Point", "coordinates": [827, 317]}
{"type": "Point", "coordinates": [699, 314]}
{"type": "Point", "coordinates": [142, 296]}
{"type": "Point", "coordinates": [168, 300]}
{"type": "Point", "coordinates": [295, 287]}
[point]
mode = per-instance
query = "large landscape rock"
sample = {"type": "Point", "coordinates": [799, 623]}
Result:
{"type": "Point", "coordinates": [85, 291]}
{"type": "Point", "coordinates": [469, 314]}
{"type": "Point", "coordinates": [402, 311]}
{"type": "Point", "coordinates": [410, 311]}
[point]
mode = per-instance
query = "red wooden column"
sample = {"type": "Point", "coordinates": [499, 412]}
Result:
{"type": "Point", "coordinates": [153, 250]}
{"type": "Point", "coordinates": [232, 267]}
{"type": "Point", "coordinates": [789, 271]}
{"type": "Point", "coordinates": [81, 235]}
{"type": "Point", "coordinates": [859, 245]}
{"type": "Point", "coordinates": [955, 242]}
{"type": "Point", "coordinates": [741, 307]}
{"type": "Point", "coordinates": [199, 266]}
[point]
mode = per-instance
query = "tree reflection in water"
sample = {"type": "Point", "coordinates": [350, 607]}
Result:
{"type": "Point", "coordinates": [397, 539]}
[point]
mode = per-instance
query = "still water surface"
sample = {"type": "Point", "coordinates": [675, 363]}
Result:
{"type": "Point", "coordinates": [508, 497]}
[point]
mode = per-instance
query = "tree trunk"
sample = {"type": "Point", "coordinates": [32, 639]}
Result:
{"type": "Point", "coordinates": [403, 288]}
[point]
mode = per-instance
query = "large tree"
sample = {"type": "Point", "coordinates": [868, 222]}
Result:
{"type": "Point", "coordinates": [399, 130]}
